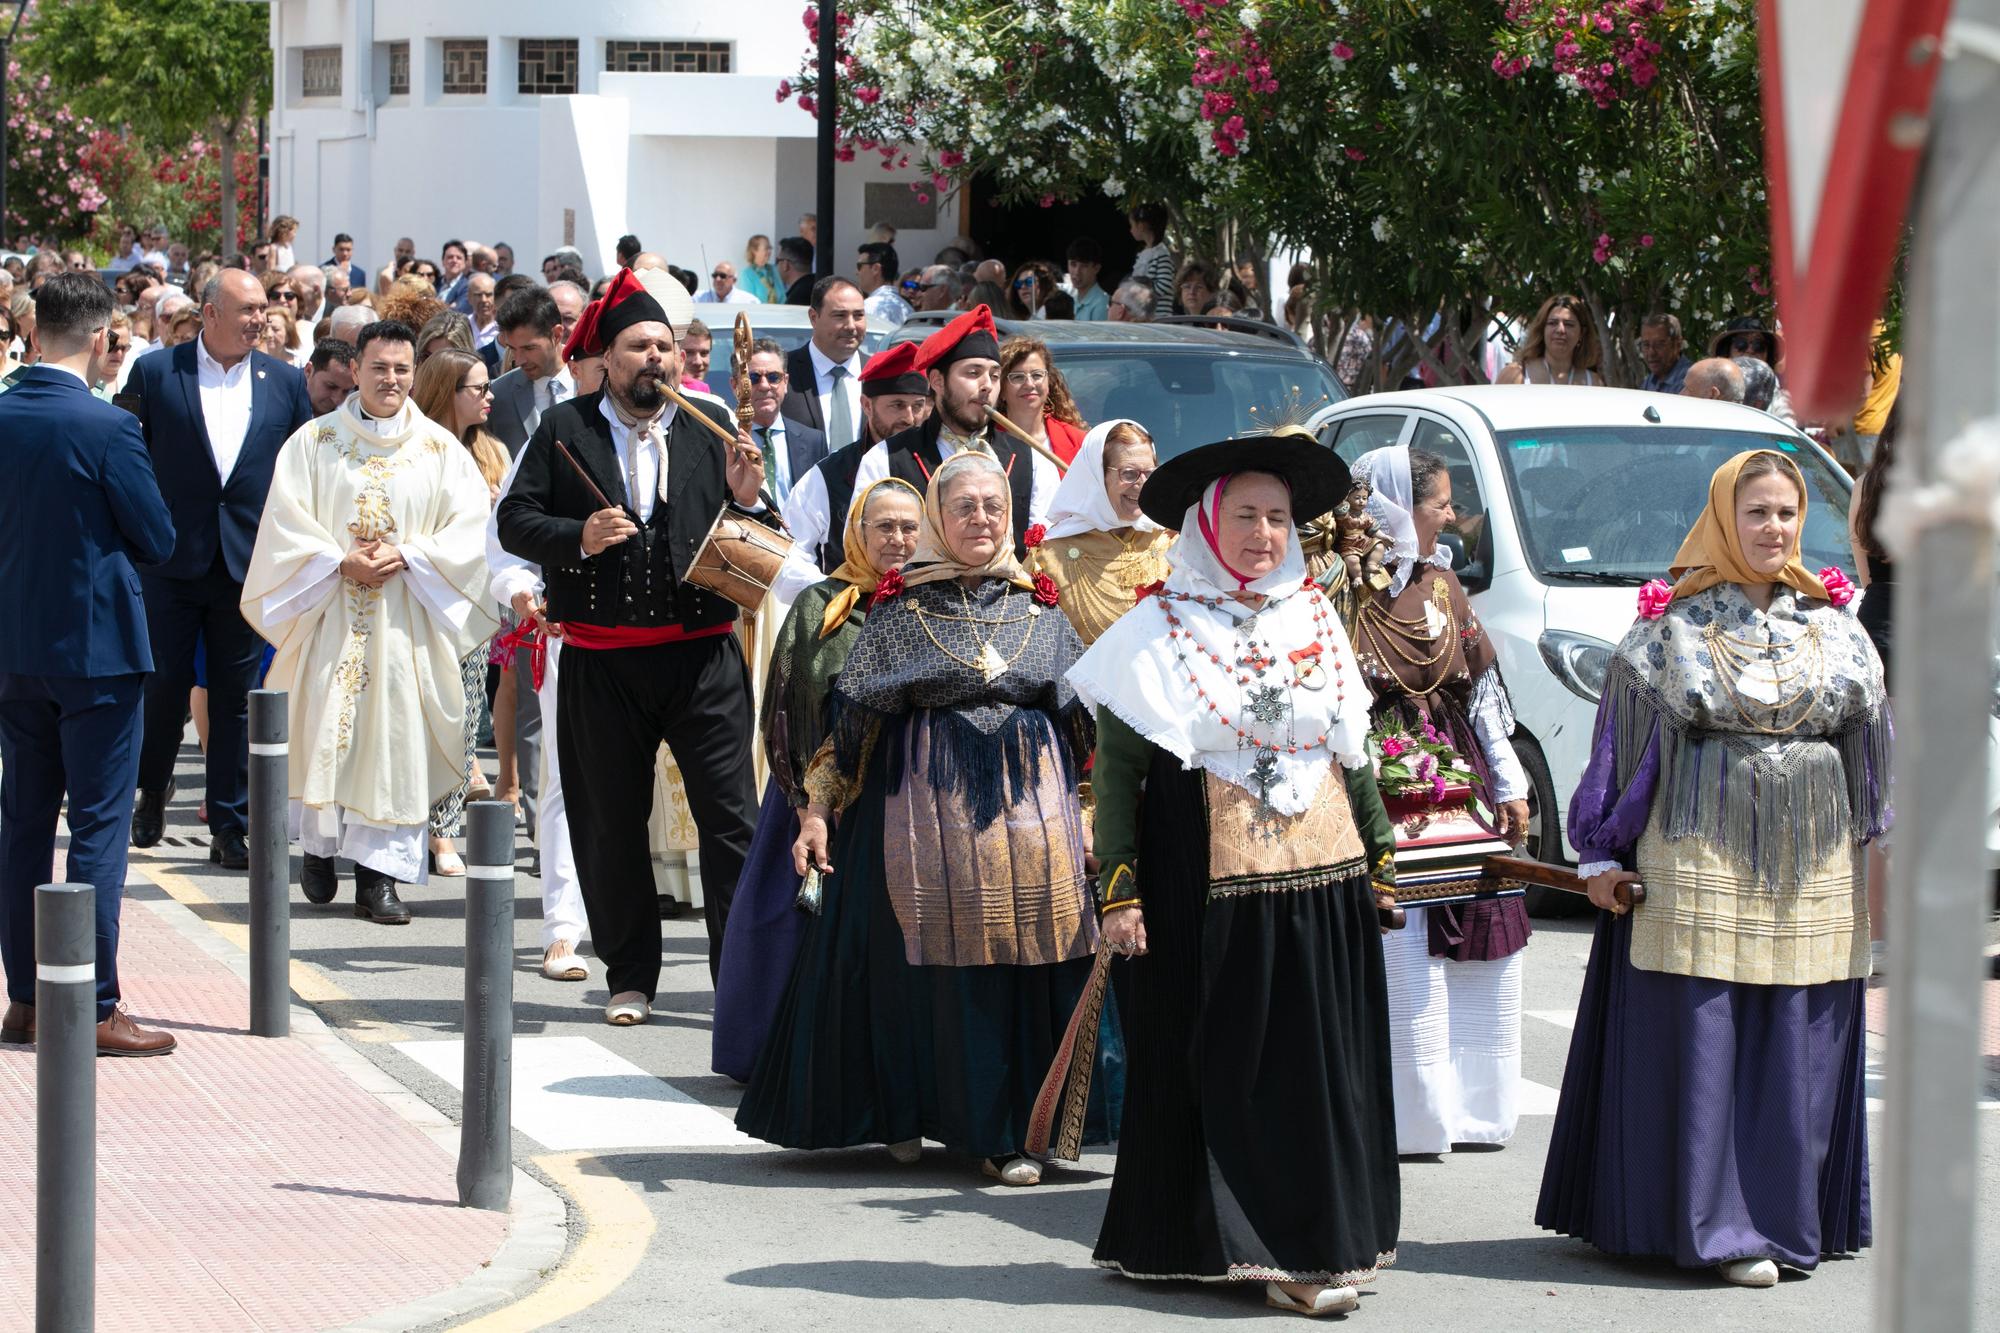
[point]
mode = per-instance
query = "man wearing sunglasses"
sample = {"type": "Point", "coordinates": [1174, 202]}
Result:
{"type": "Point", "coordinates": [723, 289]}
{"type": "Point", "coordinates": [875, 272]}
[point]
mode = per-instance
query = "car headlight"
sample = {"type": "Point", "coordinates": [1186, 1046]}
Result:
{"type": "Point", "coordinates": [1578, 661]}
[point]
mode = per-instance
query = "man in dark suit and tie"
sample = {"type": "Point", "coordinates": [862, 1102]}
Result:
{"type": "Point", "coordinates": [214, 412]}
{"type": "Point", "coordinates": [343, 257]}
{"type": "Point", "coordinates": [532, 328]}
{"type": "Point", "coordinates": [80, 509]}
{"type": "Point", "coordinates": [791, 448]}
{"type": "Point", "coordinates": [825, 374]}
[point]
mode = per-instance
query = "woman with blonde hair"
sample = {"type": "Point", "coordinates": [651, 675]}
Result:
{"type": "Point", "coordinates": [410, 301]}
{"type": "Point", "coordinates": [760, 276]}
{"type": "Point", "coordinates": [1034, 396]}
{"type": "Point", "coordinates": [452, 389]}
{"type": "Point", "coordinates": [281, 335]}
{"type": "Point", "coordinates": [1562, 347]}
{"type": "Point", "coordinates": [445, 331]}
{"type": "Point", "coordinates": [184, 325]}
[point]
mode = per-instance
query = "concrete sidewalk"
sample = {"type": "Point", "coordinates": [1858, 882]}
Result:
{"type": "Point", "coordinates": [249, 1183]}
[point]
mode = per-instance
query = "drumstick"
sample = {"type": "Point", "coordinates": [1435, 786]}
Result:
{"type": "Point", "coordinates": [1000, 420]}
{"type": "Point", "coordinates": [602, 499]}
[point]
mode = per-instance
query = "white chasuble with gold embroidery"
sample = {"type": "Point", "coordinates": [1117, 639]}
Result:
{"type": "Point", "coordinates": [377, 704]}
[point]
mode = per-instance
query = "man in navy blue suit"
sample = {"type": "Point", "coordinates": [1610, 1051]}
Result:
{"type": "Point", "coordinates": [214, 412]}
{"type": "Point", "coordinates": [79, 510]}
{"type": "Point", "coordinates": [343, 257]}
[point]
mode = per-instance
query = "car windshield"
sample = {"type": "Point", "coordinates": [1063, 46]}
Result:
{"type": "Point", "coordinates": [1193, 397]}
{"type": "Point", "coordinates": [1613, 503]}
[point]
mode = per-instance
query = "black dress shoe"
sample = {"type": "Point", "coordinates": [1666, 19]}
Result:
{"type": "Point", "coordinates": [149, 816]}
{"type": "Point", "coordinates": [375, 898]}
{"type": "Point", "coordinates": [319, 879]}
{"type": "Point", "coordinates": [230, 850]}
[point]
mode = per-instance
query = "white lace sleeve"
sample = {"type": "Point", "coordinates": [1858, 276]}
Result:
{"type": "Point", "coordinates": [1592, 869]}
{"type": "Point", "coordinates": [1493, 722]}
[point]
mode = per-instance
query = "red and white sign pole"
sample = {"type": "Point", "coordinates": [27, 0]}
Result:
{"type": "Point", "coordinates": [1847, 90]}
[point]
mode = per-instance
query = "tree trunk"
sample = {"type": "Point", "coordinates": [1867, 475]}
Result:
{"type": "Point", "coordinates": [226, 206]}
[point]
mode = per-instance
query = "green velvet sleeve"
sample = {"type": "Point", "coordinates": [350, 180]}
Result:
{"type": "Point", "coordinates": [1117, 777]}
{"type": "Point", "coordinates": [1371, 820]}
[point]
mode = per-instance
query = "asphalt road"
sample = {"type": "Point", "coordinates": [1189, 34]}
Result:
{"type": "Point", "coordinates": [679, 1223]}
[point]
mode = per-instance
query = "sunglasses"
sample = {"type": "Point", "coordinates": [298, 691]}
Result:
{"type": "Point", "coordinates": [1748, 343]}
{"type": "Point", "coordinates": [720, 276]}
{"type": "Point", "coordinates": [911, 286]}
{"type": "Point", "coordinates": [1021, 284]}
{"type": "Point", "coordinates": [766, 376]}
{"type": "Point", "coordinates": [114, 342]}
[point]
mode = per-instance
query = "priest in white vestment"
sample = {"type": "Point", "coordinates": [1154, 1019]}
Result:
{"type": "Point", "coordinates": [369, 575]}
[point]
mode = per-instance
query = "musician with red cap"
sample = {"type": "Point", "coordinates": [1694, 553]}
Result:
{"type": "Point", "coordinates": [894, 397]}
{"type": "Point", "coordinates": [961, 364]}
{"type": "Point", "coordinates": [614, 493]}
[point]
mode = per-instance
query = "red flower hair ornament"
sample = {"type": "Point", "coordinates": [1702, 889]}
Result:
{"type": "Point", "coordinates": [1046, 591]}
{"type": "Point", "coordinates": [890, 586]}
{"type": "Point", "coordinates": [1034, 536]}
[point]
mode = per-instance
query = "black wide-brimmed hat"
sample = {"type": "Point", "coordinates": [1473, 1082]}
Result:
{"type": "Point", "coordinates": [1317, 476]}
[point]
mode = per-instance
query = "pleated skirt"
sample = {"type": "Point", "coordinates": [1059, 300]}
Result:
{"type": "Point", "coordinates": [1454, 1042]}
{"type": "Point", "coordinates": [1259, 1136]}
{"type": "Point", "coordinates": [868, 1048]}
{"type": "Point", "coordinates": [1703, 1121]}
{"type": "Point", "coordinates": [761, 941]}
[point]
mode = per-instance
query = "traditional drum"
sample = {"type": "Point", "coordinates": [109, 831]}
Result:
{"type": "Point", "coordinates": [738, 559]}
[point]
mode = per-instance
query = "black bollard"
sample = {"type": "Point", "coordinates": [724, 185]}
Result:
{"type": "Point", "coordinates": [65, 1108]}
{"type": "Point", "coordinates": [270, 867]}
{"type": "Point", "coordinates": [485, 1137]}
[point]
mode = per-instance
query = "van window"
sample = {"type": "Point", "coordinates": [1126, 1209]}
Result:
{"type": "Point", "coordinates": [1436, 437]}
{"type": "Point", "coordinates": [1356, 435]}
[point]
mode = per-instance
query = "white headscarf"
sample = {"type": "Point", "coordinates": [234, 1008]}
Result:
{"type": "Point", "coordinates": [1139, 673]}
{"type": "Point", "coordinates": [1081, 503]}
{"type": "Point", "coordinates": [1391, 501]}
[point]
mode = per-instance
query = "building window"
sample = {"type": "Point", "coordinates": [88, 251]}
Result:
{"type": "Point", "coordinates": [320, 76]}
{"type": "Point", "coordinates": [465, 67]}
{"type": "Point", "coordinates": [399, 69]}
{"type": "Point", "coordinates": [548, 66]}
{"type": "Point", "coordinates": [667, 57]}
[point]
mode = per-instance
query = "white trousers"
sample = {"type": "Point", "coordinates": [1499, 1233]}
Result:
{"type": "Point", "coordinates": [562, 900]}
{"type": "Point", "coordinates": [1454, 1043]}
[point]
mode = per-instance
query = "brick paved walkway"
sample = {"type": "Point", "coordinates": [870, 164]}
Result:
{"type": "Point", "coordinates": [243, 1183]}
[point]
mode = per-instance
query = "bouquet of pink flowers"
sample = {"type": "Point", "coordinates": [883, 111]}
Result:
{"type": "Point", "coordinates": [1420, 764]}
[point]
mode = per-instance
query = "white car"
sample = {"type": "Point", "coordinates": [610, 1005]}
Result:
{"type": "Point", "coordinates": [1568, 500]}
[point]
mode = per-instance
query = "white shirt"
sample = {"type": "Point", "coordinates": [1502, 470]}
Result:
{"type": "Point", "coordinates": [885, 302]}
{"type": "Point", "coordinates": [225, 405]}
{"type": "Point", "coordinates": [737, 296]}
{"type": "Point", "coordinates": [1044, 480]}
{"type": "Point", "coordinates": [781, 454]}
{"type": "Point", "coordinates": [557, 388]}
{"type": "Point", "coordinates": [75, 375]}
{"type": "Point", "coordinates": [649, 464]}
{"type": "Point", "coordinates": [823, 365]}
{"type": "Point", "coordinates": [484, 337]}
{"type": "Point", "coordinates": [509, 572]}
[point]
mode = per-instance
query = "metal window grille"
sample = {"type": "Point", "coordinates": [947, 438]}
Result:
{"type": "Point", "coordinates": [320, 76]}
{"type": "Point", "coordinates": [667, 57]}
{"type": "Point", "coordinates": [548, 66]}
{"type": "Point", "coordinates": [465, 67]}
{"type": "Point", "coordinates": [399, 69]}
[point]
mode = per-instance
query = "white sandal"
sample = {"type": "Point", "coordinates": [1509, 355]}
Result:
{"type": "Point", "coordinates": [1326, 1301]}
{"type": "Point", "coordinates": [566, 965]}
{"type": "Point", "coordinates": [627, 1007]}
{"type": "Point", "coordinates": [908, 1152]}
{"type": "Point", "coordinates": [1016, 1171]}
{"type": "Point", "coordinates": [1749, 1272]}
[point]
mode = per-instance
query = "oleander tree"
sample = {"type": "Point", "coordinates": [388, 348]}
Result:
{"type": "Point", "coordinates": [52, 190]}
{"type": "Point", "coordinates": [1446, 164]}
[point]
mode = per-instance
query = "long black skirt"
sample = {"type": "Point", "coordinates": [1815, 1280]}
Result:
{"type": "Point", "coordinates": [868, 1048]}
{"type": "Point", "coordinates": [1259, 1140]}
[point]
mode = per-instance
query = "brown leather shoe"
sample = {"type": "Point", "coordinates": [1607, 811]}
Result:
{"type": "Point", "coordinates": [119, 1035]}
{"type": "Point", "coordinates": [18, 1027]}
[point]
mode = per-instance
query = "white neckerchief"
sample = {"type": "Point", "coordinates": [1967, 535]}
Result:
{"type": "Point", "coordinates": [642, 456]}
{"type": "Point", "coordinates": [1387, 472]}
{"type": "Point", "coordinates": [1141, 674]}
{"type": "Point", "coordinates": [1081, 504]}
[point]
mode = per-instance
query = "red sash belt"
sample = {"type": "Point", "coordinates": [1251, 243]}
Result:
{"type": "Point", "coordinates": [577, 634]}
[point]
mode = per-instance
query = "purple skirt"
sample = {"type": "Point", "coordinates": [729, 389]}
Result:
{"type": "Point", "coordinates": [1704, 1121]}
{"type": "Point", "coordinates": [760, 942]}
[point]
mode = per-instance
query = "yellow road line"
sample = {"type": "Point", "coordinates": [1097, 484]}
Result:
{"type": "Point", "coordinates": [617, 1228]}
{"type": "Point", "coordinates": [338, 1008]}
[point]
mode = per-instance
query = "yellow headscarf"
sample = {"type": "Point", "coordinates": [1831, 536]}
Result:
{"type": "Point", "coordinates": [856, 570]}
{"type": "Point", "coordinates": [1711, 553]}
{"type": "Point", "coordinates": [935, 560]}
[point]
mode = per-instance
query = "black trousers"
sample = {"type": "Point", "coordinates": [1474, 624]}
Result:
{"type": "Point", "coordinates": [178, 612]}
{"type": "Point", "coordinates": [615, 708]}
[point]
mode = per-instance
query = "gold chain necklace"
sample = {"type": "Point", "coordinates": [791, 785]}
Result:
{"type": "Point", "coordinates": [1806, 658]}
{"type": "Point", "coordinates": [989, 663]}
{"type": "Point", "coordinates": [1380, 628]}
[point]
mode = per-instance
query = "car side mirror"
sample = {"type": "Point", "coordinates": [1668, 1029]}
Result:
{"type": "Point", "coordinates": [1474, 575]}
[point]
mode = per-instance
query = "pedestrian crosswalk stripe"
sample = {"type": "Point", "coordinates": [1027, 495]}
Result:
{"type": "Point", "coordinates": [572, 1094]}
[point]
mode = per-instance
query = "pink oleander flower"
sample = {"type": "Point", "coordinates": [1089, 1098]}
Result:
{"type": "Point", "coordinates": [1342, 51]}
{"type": "Point", "coordinates": [1654, 599]}
{"type": "Point", "coordinates": [1840, 589]}
{"type": "Point", "coordinates": [1393, 747]}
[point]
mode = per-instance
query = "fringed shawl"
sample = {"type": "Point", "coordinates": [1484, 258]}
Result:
{"type": "Point", "coordinates": [798, 692]}
{"type": "Point", "coordinates": [986, 742]}
{"type": "Point", "coordinates": [1778, 790]}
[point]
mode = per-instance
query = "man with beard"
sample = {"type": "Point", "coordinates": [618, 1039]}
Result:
{"type": "Point", "coordinates": [894, 398]}
{"type": "Point", "coordinates": [647, 658]}
{"type": "Point", "coordinates": [961, 365]}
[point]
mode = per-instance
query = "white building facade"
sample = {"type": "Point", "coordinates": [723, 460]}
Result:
{"type": "Point", "coordinates": [539, 124]}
